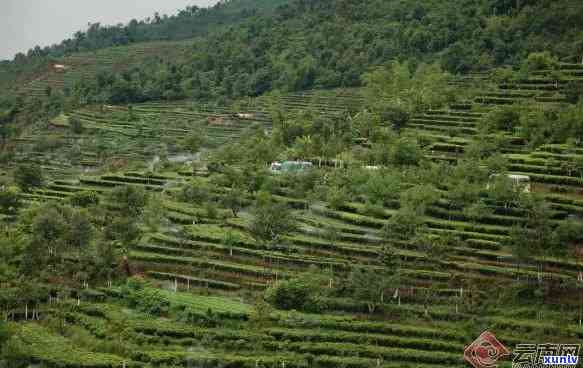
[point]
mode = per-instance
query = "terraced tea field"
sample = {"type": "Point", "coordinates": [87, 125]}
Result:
{"type": "Point", "coordinates": [208, 268]}
{"type": "Point", "coordinates": [89, 64]}
{"type": "Point", "coordinates": [450, 130]}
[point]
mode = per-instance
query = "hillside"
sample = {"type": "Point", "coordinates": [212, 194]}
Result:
{"type": "Point", "coordinates": [144, 225]}
{"type": "Point", "coordinates": [327, 44]}
{"type": "Point", "coordinates": [64, 72]}
{"type": "Point", "coordinates": [36, 65]}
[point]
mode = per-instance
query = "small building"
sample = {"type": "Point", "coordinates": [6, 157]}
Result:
{"type": "Point", "coordinates": [60, 67]}
{"type": "Point", "coordinates": [290, 166]}
{"type": "Point", "coordinates": [218, 120]}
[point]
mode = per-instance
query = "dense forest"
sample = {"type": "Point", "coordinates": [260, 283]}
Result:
{"type": "Point", "coordinates": [188, 23]}
{"type": "Point", "coordinates": [325, 44]}
{"type": "Point", "coordinates": [321, 44]}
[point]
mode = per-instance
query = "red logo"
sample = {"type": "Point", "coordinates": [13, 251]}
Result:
{"type": "Point", "coordinates": [485, 351]}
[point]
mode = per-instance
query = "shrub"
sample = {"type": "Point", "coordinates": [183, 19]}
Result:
{"type": "Point", "coordinates": [129, 199]}
{"type": "Point", "coordinates": [48, 144]}
{"type": "Point", "coordinates": [123, 229]}
{"type": "Point", "coordinates": [289, 295]}
{"type": "Point", "coordinates": [569, 232]}
{"type": "Point", "coordinates": [28, 177]}
{"type": "Point", "coordinates": [9, 200]}
{"type": "Point", "coordinates": [210, 210]}
{"type": "Point", "coordinates": [574, 91]}
{"type": "Point", "coordinates": [540, 61]}
{"type": "Point", "coordinates": [380, 188]}
{"type": "Point", "coordinates": [397, 116]}
{"type": "Point", "coordinates": [195, 141]}
{"type": "Point", "coordinates": [404, 225]}
{"type": "Point", "coordinates": [85, 199]}
{"type": "Point", "coordinates": [196, 192]}
{"type": "Point", "coordinates": [301, 293]}
{"type": "Point", "coordinates": [75, 125]}
{"type": "Point", "coordinates": [503, 75]}
{"type": "Point", "coordinates": [337, 197]}
{"type": "Point", "coordinates": [271, 220]}
{"type": "Point", "coordinates": [145, 299]}
{"type": "Point", "coordinates": [373, 210]}
{"type": "Point", "coordinates": [406, 151]}
{"type": "Point", "coordinates": [503, 118]}
{"type": "Point", "coordinates": [4, 334]}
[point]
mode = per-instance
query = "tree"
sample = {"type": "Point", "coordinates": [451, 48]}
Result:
{"type": "Point", "coordinates": [406, 151]}
{"type": "Point", "coordinates": [435, 247]}
{"type": "Point", "coordinates": [234, 200]}
{"type": "Point", "coordinates": [391, 274]}
{"type": "Point", "coordinates": [504, 118]}
{"type": "Point", "coordinates": [85, 199]}
{"type": "Point", "coordinates": [337, 197]}
{"type": "Point", "coordinates": [271, 220]}
{"type": "Point", "coordinates": [536, 126]}
{"type": "Point", "coordinates": [196, 192]}
{"type": "Point", "coordinates": [477, 211]}
{"type": "Point", "coordinates": [578, 165]}
{"type": "Point", "coordinates": [570, 124]}
{"type": "Point", "coordinates": [567, 234]}
{"type": "Point", "coordinates": [50, 228]}
{"type": "Point", "coordinates": [5, 334]}
{"type": "Point", "coordinates": [123, 229]}
{"type": "Point", "coordinates": [106, 260]}
{"type": "Point", "coordinates": [304, 292]}
{"type": "Point", "coordinates": [463, 194]}
{"type": "Point", "coordinates": [467, 170]}
{"type": "Point", "coordinates": [76, 125]}
{"type": "Point", "coordinates": [396, 116]}
{"type": "Point", "coordinates": [260, 316]}
{"type": "Point", "coordinates": [304, 146]}
{"type": "Point", "coordinates": [427, 87]}
{"type": "Point", "coordinates": [419, 197]}
{"type": "Point", "coordinates": [519, 244]}
{"type": "Point", "coordinates": [539, 222]}
{"type": "Point", "coordinates": [9, 200]}
{"type": "Point", "coordinates": [28, 177]}
{"type": "Point", "coordinates": [130, 200]}
{"type": "Point", "coordinates": [459, 58]}
{"type": "Point", "coordinates": [367, 286]}
{"type": "Point", "coordinates": [497, 164]}
{"type": "Point", "coordinates": [540, 61]}
{"type": "Point", "coordinates": [403, 225]}
{"type": "Point", "coordinates": [80, 230]}
{"type": "Point", "coordinates": [195, 141]}
{"type": "Point", "coordinates": [503, 190]}
{"type": "Point", "coordinates": [535, 238]}
{"type": "Point", "coordinates": [381, 187]}
{"type": "Point", "coordinates": [47, 233]}
{"type": "Point", "coordinates": [153, 213]}
{"type": "Point", "coordinates": [574, 92]}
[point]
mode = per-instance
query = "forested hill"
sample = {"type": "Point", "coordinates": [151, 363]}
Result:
{"type": "Point", "coordinates": [304, 44]}
{"type": "Point", "coordinates": [331, 43]}
{"type": "Point", "coordinates": [187, 23]}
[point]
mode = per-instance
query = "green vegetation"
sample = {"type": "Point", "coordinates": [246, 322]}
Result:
{"type": "Point", "coordinates": [141, 225]}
